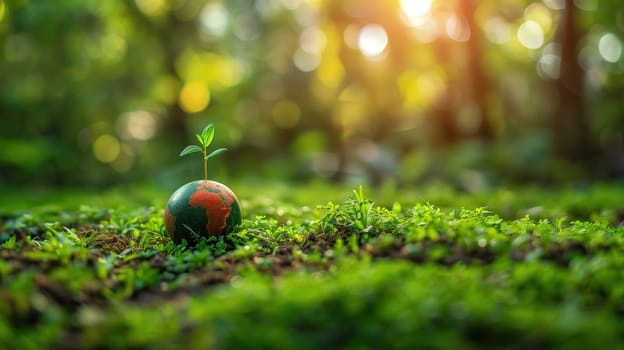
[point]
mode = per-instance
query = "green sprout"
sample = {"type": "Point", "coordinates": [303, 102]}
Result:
{"type": "Point", "coordinates": [205, 139]}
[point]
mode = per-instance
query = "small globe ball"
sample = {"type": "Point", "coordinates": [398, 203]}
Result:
{"type": "Point", "coordinates": [201, 208]}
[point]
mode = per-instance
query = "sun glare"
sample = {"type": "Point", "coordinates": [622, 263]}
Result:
{"type": "Point", "coordinates": [415, 8]}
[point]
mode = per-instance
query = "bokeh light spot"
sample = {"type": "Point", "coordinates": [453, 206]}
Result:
{"type": "Point", "coordinates": [112, 48]}
{"type": "Point", "coordinates": [194, 97]}
{"type": "Point", "coordinates": [291, 4]}
{"type": "Point", "coordinates": [286, 114]}
{"type": "Point", "coordinates": [152, 8]}
{"type": "Point", "coordinates": [497, 30]}
{"type": "Point", "coordinates": [246, 26]}
{"type": "Point", "coordinates": [214, 19]}
{"type": "Point", "coordinates": [372, 40]}
{"type": "Point", "coordinates": [106, 148]}
{"type": "Point", "coordinates": [549, 64]}
{"type": "Point", "coordinates": [541, 15]}
{"type": "Point", "coordinates": [457, 28]}
{"type": "Point", "coordinates": [555, 4]}
{"type": "Point", "coordinates": [228, 72]}
{"type": "Point", "coordinates": [312, 40]}
{"type": "Point", "coordinates": [331, 72]}
{"type": "Point", "coordinates": [2, 10]}
{"type": "Point", "coordinates": [138, 125]}
{"type": "Point", "coordinates": [306, 62]}
{"type": "Point", "coordinates": [586, 5]}
{"type": "Point", "coordinates": [421, 89]}
{"type": "Point", "coordinates": [325, 164]}
{"type": "Point", "coordinates": [216, 71]}
{"type": "Point", "coordinates": [415, 8]}
{"type": "Point", "coordinates": [351, 36]}
{"type": "Point", "coordinates": [610, 47]}
{"type": "Point", "coordinates": [531, 35]}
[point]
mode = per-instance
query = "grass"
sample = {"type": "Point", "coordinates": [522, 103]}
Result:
{"type": "Point", "coordinates": [317, 267]}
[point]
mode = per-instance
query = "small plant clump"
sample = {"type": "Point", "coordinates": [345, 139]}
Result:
{"type": "Point", "coordinates": [205, 139]}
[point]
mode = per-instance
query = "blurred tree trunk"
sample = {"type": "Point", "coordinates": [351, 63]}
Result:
{"type": "Point", "coordinates": [176, 116]}
{"type": "Point", "coordinates": [478, 80]}
{"type": "Point", "coordinates": [569, 123]}
{"type": "Point", "coordinates": [473, 80]}
{"type": "Point", "coordinates": [171, 47]}
{"type": "Point", "coordinates": [445, 107]}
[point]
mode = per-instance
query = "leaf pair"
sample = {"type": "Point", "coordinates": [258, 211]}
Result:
{"type": "Point", "coordinates": [194, 149]}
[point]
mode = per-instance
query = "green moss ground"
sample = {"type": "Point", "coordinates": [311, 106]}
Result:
{"type": "Point", "coordinates": [317, 267]}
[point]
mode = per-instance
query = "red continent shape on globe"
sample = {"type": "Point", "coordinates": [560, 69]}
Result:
{"type": "Point", "coordinates": [169, 221]}
{"type": "Point", "coordinates": [218, 206]}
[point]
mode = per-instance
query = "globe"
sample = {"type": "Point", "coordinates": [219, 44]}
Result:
{"type": "Point", "coordinates": [202, 208]}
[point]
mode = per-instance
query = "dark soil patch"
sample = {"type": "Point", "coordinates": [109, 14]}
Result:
{"type": "Point", "coordinates": [108, 241]}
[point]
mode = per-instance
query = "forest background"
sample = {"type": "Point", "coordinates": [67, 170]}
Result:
{"type": "Point", "coordinates": [474, 93]}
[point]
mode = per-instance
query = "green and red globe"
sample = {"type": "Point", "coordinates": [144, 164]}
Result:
{"type": "Point", "coordinates": [201, 208]}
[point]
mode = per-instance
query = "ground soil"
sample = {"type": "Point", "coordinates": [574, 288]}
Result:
{"type": "Point", "coordinates": [225, 268]}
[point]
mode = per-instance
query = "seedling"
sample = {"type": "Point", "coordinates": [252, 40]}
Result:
{"type": "Point", "coordinates": [205, 139]}
{"type": "Point", "coordinates": [202, 208]}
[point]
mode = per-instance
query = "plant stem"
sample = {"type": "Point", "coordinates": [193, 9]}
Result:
{"type": "Point", "coordinates": [205, 166]}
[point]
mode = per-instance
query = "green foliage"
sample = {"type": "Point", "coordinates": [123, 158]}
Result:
{"type": "Point", "coordinates": [347, 275]}
{"type": "Point", "coordinates": [122, 75]}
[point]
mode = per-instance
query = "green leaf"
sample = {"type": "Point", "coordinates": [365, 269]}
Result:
{"type": "Point", "coordinates": [216, 152]}
{"type": "Point", "coordinates": [201, 140]}
{"type": "Point", "coordinates": [208, 134]}
{"type": "Point", "coordinates": [207, 129]}
{"type": "Point", "coordinates": [190, 149]}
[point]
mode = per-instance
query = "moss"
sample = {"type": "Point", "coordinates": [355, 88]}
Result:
{"type": "Point", "coordinates": [347, 274]}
